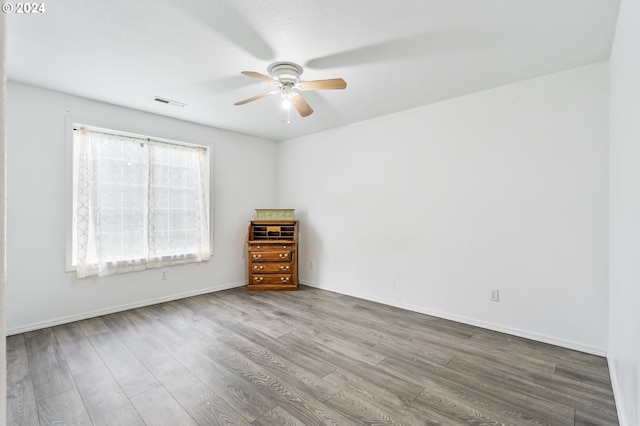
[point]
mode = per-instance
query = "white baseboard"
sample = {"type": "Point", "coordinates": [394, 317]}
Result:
{"type": "Point", "coordinates": [617, 394]}
{"type": "Point", "coordinates": [470, 321]}
{"type": "Point", "coordinates": [120, 308]}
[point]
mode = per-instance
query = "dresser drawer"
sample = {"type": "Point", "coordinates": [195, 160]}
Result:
{"type": "Point", "coordinates": [257, 279]}
{"type": "Point", "coordinates": [270, 247]}
{"type": "Point", "coordinates": [271, 256]}
{"type": "Point", "coordinates": [271, 268]}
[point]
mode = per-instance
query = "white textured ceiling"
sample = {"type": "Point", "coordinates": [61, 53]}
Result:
{"type": "Point", "coordinates": [394, 54]}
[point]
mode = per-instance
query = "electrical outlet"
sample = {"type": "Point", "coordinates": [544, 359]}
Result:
{"type": "Point", "coordinates": [164, 275]}
{"type": "Point", "coordinates": [312, 264]}
{"type": "Point", "coordinates": [495, 295]}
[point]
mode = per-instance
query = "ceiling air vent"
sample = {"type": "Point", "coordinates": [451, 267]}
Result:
{"type": "Point", "coordinates": [169, 101]}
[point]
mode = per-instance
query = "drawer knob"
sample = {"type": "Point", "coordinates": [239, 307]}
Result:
{"type": "Point", "coordinates": [284, 268]}
{"type": "Point", "coordinates": [284, 279]}
{"type": "Point", "coordinates": [284, 246]}
{"type": "Point", "coordinates": [258, 246]}
{"type": "Point", "coordinates": [257, 256]}
{"type": "Point", "coordinates": [283, 255]}
{"type": "Point", "coordinates": [259, 279]}
{"type": "Point", "coordinates": [258, 267]}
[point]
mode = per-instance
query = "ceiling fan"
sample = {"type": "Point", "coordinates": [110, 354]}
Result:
{"type": "Point", "coordinates": [286, 77]}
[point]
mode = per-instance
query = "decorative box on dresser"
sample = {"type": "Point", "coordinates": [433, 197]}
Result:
{"type": "Point", "coordinates": [273, 255]}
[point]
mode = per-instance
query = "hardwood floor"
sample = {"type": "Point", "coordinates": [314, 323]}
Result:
{"type": "Point", "coordinates": [309, 357]}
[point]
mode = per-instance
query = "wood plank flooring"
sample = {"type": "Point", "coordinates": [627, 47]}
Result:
{"type": "Point", "coordinates": [309, 357]}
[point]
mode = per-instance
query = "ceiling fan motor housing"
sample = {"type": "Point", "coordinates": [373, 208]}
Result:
{"type": "Point", "coordinates": [285, 72]}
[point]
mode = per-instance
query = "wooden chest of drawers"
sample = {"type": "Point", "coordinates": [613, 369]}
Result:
{"type": "Point", "coordinates": [273, 255]}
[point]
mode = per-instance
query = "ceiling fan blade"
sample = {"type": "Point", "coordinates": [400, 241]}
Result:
{"type": "Point", "coordinates": [331, 84]}
{"type": "Point", "coordinates": [301, 105]}
{"type": "Point", "coordinates": [255, 98]}
{"type": "Point", "coordinates": [261, 77]}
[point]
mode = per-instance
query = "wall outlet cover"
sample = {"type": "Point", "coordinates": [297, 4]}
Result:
{"type": "Point", "coordinates": [495, 295]}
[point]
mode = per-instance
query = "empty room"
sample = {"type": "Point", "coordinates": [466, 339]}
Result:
{"type": "Point", "coordinates": [368, 212]}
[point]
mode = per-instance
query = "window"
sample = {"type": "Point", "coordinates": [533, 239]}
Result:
{"type": "Point", "coordinates": [138, 203]}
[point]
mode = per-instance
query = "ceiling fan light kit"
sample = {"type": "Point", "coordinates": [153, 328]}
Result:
{"type": "Point", "coordinates": [286, 76]}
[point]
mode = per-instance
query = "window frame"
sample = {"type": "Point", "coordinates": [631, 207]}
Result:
{"type": "Point", "coordinates": [72, 123]}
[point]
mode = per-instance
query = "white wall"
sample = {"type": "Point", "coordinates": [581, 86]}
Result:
{"type": "Point", "coordinates": [39, 291]}
{"type": "Point", "coordinates": [431, 208]}
{"type": "Point", "coordinates": [3, 342]}
{"type": "Point", "coordinates": [624, 343]}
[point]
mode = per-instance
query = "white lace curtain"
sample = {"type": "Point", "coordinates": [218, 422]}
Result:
{"type": "Point", "coordinates": [139, 204]}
